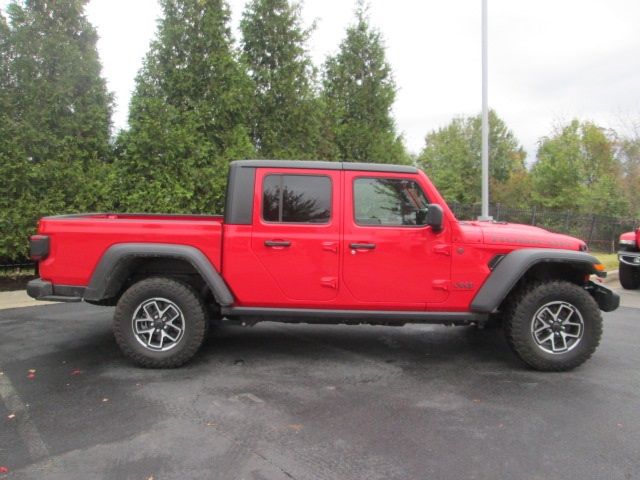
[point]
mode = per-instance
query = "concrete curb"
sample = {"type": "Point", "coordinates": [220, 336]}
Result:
{"type": "Point", "coordinates": [19, 299]}
{"type": "Point", "coordinates": [612, 277]}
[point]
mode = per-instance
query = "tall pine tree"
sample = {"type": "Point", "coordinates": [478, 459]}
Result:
{"type": "Point", "coordinates": [188, 115]}
{"type": "Point", "coordinates": [285, 115]}
{"type": "Point", "coordinates": [359, 92]}
{"type": "Point", "coordinates": [57, 114]}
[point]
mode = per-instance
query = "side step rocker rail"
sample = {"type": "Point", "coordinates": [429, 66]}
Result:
{"type": "Point", "coordinates": [313, 315]}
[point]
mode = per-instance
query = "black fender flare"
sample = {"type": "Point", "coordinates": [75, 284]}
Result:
{"type": "Point", "coordinates": [513, 267]}
{"type": "Point", "coordinates": [112, 269]}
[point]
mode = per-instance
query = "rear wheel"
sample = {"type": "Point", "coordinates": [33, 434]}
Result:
{"type": "Point", "coordinates": [160, 323]}
{"type": "Point", "coordinates": [629, 276]}
{"type": "Point", "coordinates": [554, 326]}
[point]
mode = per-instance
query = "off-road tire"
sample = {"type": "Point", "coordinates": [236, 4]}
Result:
{"type": "Point", "coordinates": [522, 309]}
{"type": "Point", "coordinates": [193, 310]}
{"type": "Point", "coordinates": [629, 276]}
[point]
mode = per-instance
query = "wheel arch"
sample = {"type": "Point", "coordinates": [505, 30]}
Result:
{"type": "Point", "coordinates": [531, 264]}
{"type": "Point", "coordinates": [119, 262]}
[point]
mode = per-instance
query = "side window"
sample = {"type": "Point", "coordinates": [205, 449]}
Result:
{"type": "Point", "coordinates": [389, 202]}
{"type": "Point", "coordinates": [296, 199]}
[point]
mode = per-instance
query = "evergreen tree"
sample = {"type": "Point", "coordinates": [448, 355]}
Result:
{"type": "Point", "coordinates": [285, 118]}
{"type": "Point", "coordinates": [452, 158]}
{"type": "Point", "coordinates": [57, 114]}
{"type": "Point", "coordinates": [188, 114]}
{"type": "Point", "coordinates": [358, 94]}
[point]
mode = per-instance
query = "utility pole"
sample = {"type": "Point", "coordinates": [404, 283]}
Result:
{"type": "Point", "coordinates": [485, 119]}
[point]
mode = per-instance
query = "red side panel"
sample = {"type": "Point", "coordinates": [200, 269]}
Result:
{"type": "Point", "coordinates": [78, 243]}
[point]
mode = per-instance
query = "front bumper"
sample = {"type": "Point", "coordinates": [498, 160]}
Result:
{"type": "Point", "coordinates": [44, 290]}
{"type": "Point", "coordinates": [630, 258]}
{"type": "Point", "coordinates": [604, 297]}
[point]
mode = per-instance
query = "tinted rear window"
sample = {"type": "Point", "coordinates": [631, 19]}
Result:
{"type": "Point", "coordinates": [296, 198]}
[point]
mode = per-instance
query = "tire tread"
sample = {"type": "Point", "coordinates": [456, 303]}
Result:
{"type": "Point", "coordinates": [629, 276]}
{"type": "Point", "coordinates": [194, 306]}
{"type": "Point", "coordinates": [526, 300]}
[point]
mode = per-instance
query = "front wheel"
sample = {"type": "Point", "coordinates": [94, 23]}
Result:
{"type": "Point", "coordinates": [554, 326]}
{"type": "Point", "coordinates": [160, 323]}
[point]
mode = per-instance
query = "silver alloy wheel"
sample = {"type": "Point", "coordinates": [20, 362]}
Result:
{"type": "Point", "coordinates": [158, 324]}
{"type": "Point", "coordinates": [557, 327]}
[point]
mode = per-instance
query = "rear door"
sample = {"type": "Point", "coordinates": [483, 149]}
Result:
{"type": "Point", "coordinates": [296, 230]}
{"type": "Point", "coordinates": [391, 256]}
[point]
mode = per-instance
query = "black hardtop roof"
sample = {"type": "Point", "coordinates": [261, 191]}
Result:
{"type": "Point", "coordinates": [315, 164]}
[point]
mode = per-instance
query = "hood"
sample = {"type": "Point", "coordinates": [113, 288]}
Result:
{"type": "Point", "coordinates": [514, 234]}
{"type": "Point", "coordinates": [631, 238]}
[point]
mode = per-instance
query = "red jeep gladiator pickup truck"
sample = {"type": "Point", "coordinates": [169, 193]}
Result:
{"type": "Point", "coordinates": [324, 242]}
{"type": "Point", "coordinates": [629, 260]}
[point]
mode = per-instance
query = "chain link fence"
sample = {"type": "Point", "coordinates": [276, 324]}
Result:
{"type": "Point", "coordinates": [601, 232]}
{"type": "Point", "coordinates": [15, 266]}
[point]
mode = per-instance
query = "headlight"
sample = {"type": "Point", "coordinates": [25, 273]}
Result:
{"type": "Point", "coordinates": [627, 242]}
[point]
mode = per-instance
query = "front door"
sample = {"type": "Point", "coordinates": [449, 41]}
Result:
{"type": "Point", "coordinates": [296, 231]}
{"type": "Point", "coordinates": [390, 255]}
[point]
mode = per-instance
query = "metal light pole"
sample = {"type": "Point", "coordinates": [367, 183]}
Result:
{"type": "Point", "coordinates": [485, 119]}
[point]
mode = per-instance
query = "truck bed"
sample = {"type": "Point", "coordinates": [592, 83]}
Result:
{"type": "Point", "coordinates": [77, 242]}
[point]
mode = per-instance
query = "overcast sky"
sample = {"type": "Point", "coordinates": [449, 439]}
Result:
{"type": "Point", "coordinates": [549, 60]}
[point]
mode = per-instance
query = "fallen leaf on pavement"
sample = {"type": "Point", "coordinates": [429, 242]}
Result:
{"type": "Point", "coordinates": [296, 427]}
{"type": "Point", "coordinates": [76, 371]}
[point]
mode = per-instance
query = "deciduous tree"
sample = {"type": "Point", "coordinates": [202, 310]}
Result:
{"type": "Point", "coordinates": [576, 169]}
{"type": "Point", "coordinates": [452, 157]}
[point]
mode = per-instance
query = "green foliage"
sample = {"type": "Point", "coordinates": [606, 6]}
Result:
{"type": "Point", "coordinates": [55, 117]}
{"type": "Point", "coordinates": [576, 167]}
{"type": "Point", "coordinates": [199, 103]}
{"type": "Point", "coordinates": [286, 115]}
{"type": "Point", "coordinates": [628, 154]}
{"type": "Point", "coordinates": [187, 116]}
{"type": "Point", "coordinates": [358, 94]}
{"type": "Point", "coordinates": [452, 158]}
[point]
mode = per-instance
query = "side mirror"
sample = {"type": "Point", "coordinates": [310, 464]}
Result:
{"type": "Point", "coordinates": [434, 217]}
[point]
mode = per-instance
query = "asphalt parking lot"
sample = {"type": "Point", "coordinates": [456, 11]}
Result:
{"type": "Point", "coordinates": [312, 402]}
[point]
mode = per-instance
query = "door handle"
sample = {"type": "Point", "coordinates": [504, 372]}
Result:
{"type": "Point", "coordinates": [362, 246]}
{"type": "Point", "coordinates": [277, 243]}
